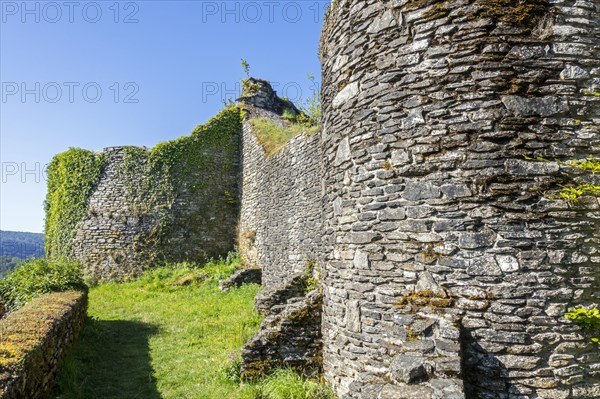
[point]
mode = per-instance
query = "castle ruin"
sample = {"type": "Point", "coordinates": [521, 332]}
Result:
{"type": "Point", "coordinates": [428, 205]}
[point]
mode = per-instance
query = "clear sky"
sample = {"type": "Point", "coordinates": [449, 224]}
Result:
{"type": "Point", "coordinates": [104, 73]}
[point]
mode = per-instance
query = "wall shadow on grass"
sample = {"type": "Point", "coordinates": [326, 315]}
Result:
{"type": "Point", "coordinates": [110, 360]}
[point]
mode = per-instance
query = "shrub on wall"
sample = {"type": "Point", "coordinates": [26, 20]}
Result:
{"type": "Point", "coordinates": [37, 277]}
{"type": "Point", "coordinates": [72, 175]}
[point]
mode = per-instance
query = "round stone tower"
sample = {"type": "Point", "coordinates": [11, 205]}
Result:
{"type": "Point", "coordinates": [459, 226]}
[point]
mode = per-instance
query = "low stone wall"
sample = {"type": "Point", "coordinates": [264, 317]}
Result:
{"type": "Point", "coordinates": [241, 277]}
{"type": "Point", "coordinates": [34, 340]}
{"type": "Point", "coordinates": [294, 287]}
{"type": "Point", "coordinates": [288, 338]}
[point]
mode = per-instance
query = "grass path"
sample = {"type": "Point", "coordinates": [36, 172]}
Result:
{"type": "Point", "coordinates": [165, 336]}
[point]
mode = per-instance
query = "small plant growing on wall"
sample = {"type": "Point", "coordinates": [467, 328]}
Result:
{"type": "Point", "coordinates": [588, 319]}
{"type": "Point", "coordinates": [248, 87]}
{"type": "Point", "coordinates": [311, 275]}
{"type": "Point", "coordinates": [575, 192]}
{"type": "Point", "coordinates": [230, 198]}
{"type": "Point", "coordinates": [312, 105]}
{"type": "Point", "coordinates": [246, 67]}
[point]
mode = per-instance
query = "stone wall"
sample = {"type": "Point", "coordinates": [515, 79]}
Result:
{"type": "Point", "coordinates": [109, 241]}
{"type": "Point", "coordinates": [35, 339]}
{"type": "Point", "coordinates": [431, 201]}
{"type": "Point", "coordinates": [289, 337]}
{"type": "Point", "coordinates": [443, 122]}
{"type": "Point", "coordinates": [133, 222]}
{"type": "Point", "coordinates": [280, 218]}
{"type": "Point", "coordinates": [280, 232]}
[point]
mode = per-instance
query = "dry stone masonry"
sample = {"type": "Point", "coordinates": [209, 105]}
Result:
{"type": "Point", "coordinates": [448, 266]}
{"type": "Point", "coordinates": [280, 232]}
{"type": "Point", "coordinates": [107, 241]}
{"type": "Point", "coordinates": [290, 336]}
{"type": "Point", "coordinates": [125, 232]}
{"type": "Point", "coordinates": [427, 210]}
{"type": "Point", "coordinates": [35, 340]}
{"type": "Point", "coordinates": [280, 216]}
{"type": "Point", "coordinates": [251, 275]}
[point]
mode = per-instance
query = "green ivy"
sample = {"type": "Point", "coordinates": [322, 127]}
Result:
{"type": "Point", "coordinates": [72, 175]}
{"type": "Point", "coordinates": [175, 162]}
{"type": "Point", "coordinates": [154, 178]}
{"type": "Point", "coordinates": [588, 319]}
{"type": "Point", "coordinates": [173, 165]}
{"type": "Point", "coordinates": [591, 164]}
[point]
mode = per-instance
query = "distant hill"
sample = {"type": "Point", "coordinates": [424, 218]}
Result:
{"type": "Point", "coordinates": [21, 245]}
{"type": "Point", "coordinates": [17, 245]}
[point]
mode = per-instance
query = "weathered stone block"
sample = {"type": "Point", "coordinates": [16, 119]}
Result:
{"type": "Point", "coordinates": [409, 369]}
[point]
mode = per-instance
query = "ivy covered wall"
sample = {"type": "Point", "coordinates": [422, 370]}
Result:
{"type": "Point", "coordinates": [128, 208]}
{"type": "Point", "coordinates": [72, 175]}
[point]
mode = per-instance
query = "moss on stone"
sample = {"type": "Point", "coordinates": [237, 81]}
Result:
{"type": "Point", "coordinates": [426, 298]}
{"type": "Point", "coordinates": [524, 12]}
{"type": "Point", "coordinates": [429, 254]}
{"type": "Point", "coordinates": [24, 330]}
{"type": "Point", "coordinates": [258, 369]}
{"type": "Point", "coordinates": [411, 335]}
{"type": "Point", "coordinates": [515, 12]}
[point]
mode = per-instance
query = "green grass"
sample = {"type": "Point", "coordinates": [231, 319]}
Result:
{"type": "Point", "coordinates": [273, 137]}
{"type": "Point", "coordinates": [165, 335]}
{"type": "Point", "coordinates": [171, 334]}
{"type": "Point", "coordinates": [286, 384]}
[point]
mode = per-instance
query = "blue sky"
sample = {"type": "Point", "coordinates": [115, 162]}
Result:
{"type": "Point", "coordinates": [98, 74]}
